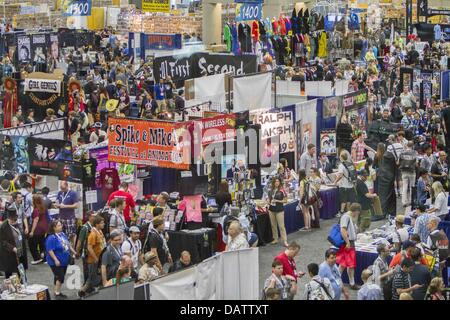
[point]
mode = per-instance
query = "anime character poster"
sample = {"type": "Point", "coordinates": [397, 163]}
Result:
{"type": "Point", "coordinates": [14, 154]}
{"type": "Point", "coordinates": [330, 107]}
{"type": "Point", "coordinates": [328, 142]}
{"type": "Point", "coordinates": [43, 154]}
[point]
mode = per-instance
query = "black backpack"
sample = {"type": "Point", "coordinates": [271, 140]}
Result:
{"type": "Point", "coordinates": [352, 175]}
{"type": "Point", "coordinates": [106, 215]}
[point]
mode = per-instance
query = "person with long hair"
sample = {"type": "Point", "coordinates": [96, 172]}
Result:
{"type": "Point", "coordinates": [304, 193]}
{"type": "Point", "coordinates": [223, 196]}
{"type": "Point", "coordinates": [59, 250]}
{"type": "Point", "coordinates": [381, 149]}
{"type": "Point", "coordinates": [435, 289]}
{"type": "Point", "coordinates": [440, 200]}
{"type": "Point", "coordinates": [38, 229]}
{"type": "Point", "coordinates": [277, 198]}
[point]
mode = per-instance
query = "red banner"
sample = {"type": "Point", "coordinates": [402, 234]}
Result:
{"type": "Point", "coordinates": [151, 143]}
{"type": "Point", "coordinates": [218, 129]}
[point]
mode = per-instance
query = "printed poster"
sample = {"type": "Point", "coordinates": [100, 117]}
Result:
{"type": "Point", "coordinates": [328, 142]}
{"type": "Point", "coordinates": [330, 107]}
{"type": "Point", "coordinates": [275, 124]}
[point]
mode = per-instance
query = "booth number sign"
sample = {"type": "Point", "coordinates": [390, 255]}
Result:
{"type": "Point", "coordinates": [248, 11]}
{"type": "Point", "coordinates": [74, 8]}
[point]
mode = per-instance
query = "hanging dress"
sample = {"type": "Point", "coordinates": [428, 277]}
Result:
{"type": "Point", "coordinates": [235, 42]}
{"type": "Point", "coordinates": [227, 36]}
{"type": "Point", "coordinates": [322, 45]}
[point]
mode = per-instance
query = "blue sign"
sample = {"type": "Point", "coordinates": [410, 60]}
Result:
{"type": "Point", "coordinates": [248, 11]}
{"type": "Point", "coordinates": [159, 41]}
{"type": "Point", "coordinates": [77, 8]}
{"type": "Point", "coordinates": [249, 1]}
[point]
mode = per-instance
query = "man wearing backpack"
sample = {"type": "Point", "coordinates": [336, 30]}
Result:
{"type": "Point", "coordinates": [82, 241]}
{"type": "Point", "coordinates": [346, 255]}
{"type": "Point", "coordinates": [318, 288]}
{"type": "Point", "coordinates": [407, 166]}
{"type": "Point", "coordinates": [346, 179]}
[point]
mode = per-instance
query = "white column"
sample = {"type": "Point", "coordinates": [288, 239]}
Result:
{"type": "Point", "coordinates": [212, 23]}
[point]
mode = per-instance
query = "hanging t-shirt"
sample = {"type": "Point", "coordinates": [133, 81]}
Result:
{"type": "Point", "coordinates": [192, 205]}
{"type": "Point", "coordinates": [89, 168]}
{"type": "Point", "coordinates": [227, 36]}
{"type": "Point", "coordinates": [109, 181]}
{"type": "Point", "coordinates": [255, 31]}
{"type": "Point", "coordinates": [323, 45]}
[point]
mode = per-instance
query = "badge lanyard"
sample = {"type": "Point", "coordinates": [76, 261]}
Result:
{"type": "Point", "coordinates": [63, 242]}
{"type": "Point", "coordinates": [18, 232]}
{"type": "Point", "coordinates": [64, 198]}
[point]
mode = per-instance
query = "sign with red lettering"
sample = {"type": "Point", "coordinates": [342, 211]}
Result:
{"type": "Point", "coordinates": [151, 143]}
{"type": "Point", "coordinates": [218, 129]}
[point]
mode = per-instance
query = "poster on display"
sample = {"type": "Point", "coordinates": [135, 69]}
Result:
{"type": "Point", "coordinates": [230, 161]}
{"type": "Point", "coordinates": [70, 171]}
{"type": "Point", "coordinates": [54, 46]}
{"type": "Point", "coordinates": [14, 154]}
{"type": "Point", "coordinates": [328, 142]}
{"type": "Point", "coordinates": [436, 83]}
{"type": "Point", "coordinates": [306, 136]}
{"type": "Point", "coordinates": [42, 85]}
{"type": "Point", "coordinates": [44, 155]}
{"type": "Point", "coordinates": [156, 5]}
{"type": "Point", "coordinates": [39, 48]}
{"type": "Point", "coordinates": [152, 143]}
{"type": "Point", "coordinates": [355, 106]}
{"type": "Point", "coordinates": [406, 77]}
{"type": "Point", "coordinates": [24, 48]}
{"type": "Point", "coordinates": [218, 129]}
{"type": "Point", "coordinates": [275, 124]}
{"type": "Point", "coordinates": [126, 172]}
{"type": "Point", "coordinates": [331, 107]}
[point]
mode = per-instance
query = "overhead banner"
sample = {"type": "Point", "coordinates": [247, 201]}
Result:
{"type": "Point", "coordinates": [197, 65]}
{"type": "Point", "coordinates": [152, 143]}
{"type": "Point", "coordinates": [355, 106]}
{"type": "Point", "coordinates": [277, 124]}
{"type": "Point", "coordinates": [156, 5]}
{"type": "Point", "coordinates": [39, 48]}
{"type": "Point", "coordinates": [248, 12]}
{"type": "Point", "coordinates": [77, 8]}
{"type": "Point", "coordinates": [42, 85]}
{"type": "Point", "coordinates": [218, 129]}
{"type": "Point", "coordinates": [44, 155]}
{"type": "Point", "coordinates": [160, 41]}
{"type": "Point", "coordinates": [355, 99]}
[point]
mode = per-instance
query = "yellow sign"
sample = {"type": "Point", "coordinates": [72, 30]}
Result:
{"type": "Point", "coordinates": [156, 5]}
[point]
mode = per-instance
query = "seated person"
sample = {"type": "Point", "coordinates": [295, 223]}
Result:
{"type": "Point", "coordinates": [183, 263]}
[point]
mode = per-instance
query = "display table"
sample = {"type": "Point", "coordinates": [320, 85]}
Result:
{"type": "Point", "coordinates": [32, 292]}
{"type": "Point", "coordinates": [330, 199]}
{"type": "Point", "coordinates": [199, 243]}
{"type": "Point", "coordinates": [293, 218]}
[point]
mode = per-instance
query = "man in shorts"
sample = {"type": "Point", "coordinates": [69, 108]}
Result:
{"type": "Point", "coordinates": [346, 255]}
{"type": "Point", "coordinates": [67, 201]}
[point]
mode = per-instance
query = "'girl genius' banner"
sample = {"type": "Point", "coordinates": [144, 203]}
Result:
{"type": "Point", "coordinates": [151, 143]}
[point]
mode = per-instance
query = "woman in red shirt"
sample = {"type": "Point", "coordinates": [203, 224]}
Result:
{"type": "Point", "coordinates": [38, 230]}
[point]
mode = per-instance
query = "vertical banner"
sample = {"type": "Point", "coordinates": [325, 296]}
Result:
{"type": "Point", "coordinates": [277, 124]}
{"type": "Point", "coordinates": [39, 48]}
{"type": "Point", "coordinates": [24, 48]}
{"type": "Point", "coordinates": [156, 5]}
{"type": "Point", "coordinates": [54, 47]}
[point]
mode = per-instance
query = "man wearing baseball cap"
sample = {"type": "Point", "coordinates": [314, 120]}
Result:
{"type": "Point", "coordinates": [132, 247]}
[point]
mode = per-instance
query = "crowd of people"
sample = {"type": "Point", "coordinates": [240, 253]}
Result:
{"type": "Point", "coordinates": [410, 163]}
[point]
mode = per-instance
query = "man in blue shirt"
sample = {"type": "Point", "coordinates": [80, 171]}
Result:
{"type": "Point", "coordinates": [67, 201]}
{"type": "Point", "coordinates": [329, 270]}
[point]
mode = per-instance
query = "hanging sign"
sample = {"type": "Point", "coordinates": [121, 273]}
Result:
{"type": "Point", "coordinates": [248, 12]}
{"type": "Point", "coordinates": [42, 85]}
{"type": "Point", "coordinates": [218, 129]}
{"type": "Point", "coordinates": [77, 8]}
{"type": "Point", "coordinates": [277, 124]}
{"type": "Point", "coordinates": [159, 41]}
{"type": "Point", "coordinates": [156, 5]}
{"type": "Point", "coordinates": [151, 143]}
